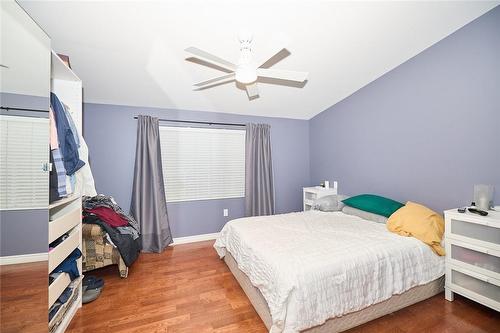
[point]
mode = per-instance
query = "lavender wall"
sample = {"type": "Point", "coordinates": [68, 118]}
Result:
{"type": "Point", "coordinates": [427, 131]}
{"type": "Point", "coordinates": [13, 101]}
{"type": "Point", "coordinates": [110, 132]}
{"type": "Point", "coordinates": [24, 232]}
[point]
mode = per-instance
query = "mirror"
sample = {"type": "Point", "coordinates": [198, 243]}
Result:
{"type": "Point", "coordinates": [24, 60]}
{"type": "Point", "coordinates": [24, 152]}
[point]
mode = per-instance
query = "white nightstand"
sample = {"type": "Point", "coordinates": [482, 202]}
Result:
{"type": "Point", "coordinates": [473, 257]}
{"type": "Point", "coordinates": [312, 193]}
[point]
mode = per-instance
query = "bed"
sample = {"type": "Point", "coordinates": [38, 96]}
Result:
{"type": "Point", "coordinates": [326, 272]}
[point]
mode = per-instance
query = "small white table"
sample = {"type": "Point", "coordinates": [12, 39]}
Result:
{"type": "Point", "coordinates": [312, 193]}
{"type": "Point", "coordinates": [473, 256]}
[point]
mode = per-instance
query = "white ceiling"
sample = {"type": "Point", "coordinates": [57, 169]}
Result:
{"type": "Point", "coordinates": [132, 52]}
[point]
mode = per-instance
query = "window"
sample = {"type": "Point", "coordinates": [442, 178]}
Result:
{"type": "Point", "coordinates": [24, 154]}
{"type": "Point", "coordinates": [202, 163]}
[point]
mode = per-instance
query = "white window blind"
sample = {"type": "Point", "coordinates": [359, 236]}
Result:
{"type": "Point", "coordinates": [24, 153]}
{"type": "Point", "coordinates": [202, 163]}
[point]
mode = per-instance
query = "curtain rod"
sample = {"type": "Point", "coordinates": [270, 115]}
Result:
{"type": "Point", "coordinates": [22, 109]}
{"type": "Point", "coordinates": [198, 122]}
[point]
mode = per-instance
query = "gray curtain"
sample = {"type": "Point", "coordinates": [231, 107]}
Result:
{"type": "Point", "coordinates": [149, 206]}
{"type": "Point", "coordinates": [259, 185]}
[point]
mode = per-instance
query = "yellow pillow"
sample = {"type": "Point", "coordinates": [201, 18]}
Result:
{"type": "Point", "coordinates": [420, 222]}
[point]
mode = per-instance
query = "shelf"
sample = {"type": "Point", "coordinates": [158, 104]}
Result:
{"type": "Point", "coordinates": [63, 250]}
{"type": "Point", "coordinates": [64, 201]}
{"type": "Point", "coordinates": [65, 214]}
{"type": "Point", "coordinates": [67, 310]}
{"type": "Point", "coordinates": [64, 223]}
{"type": "Point", "coordinates": [57, 287]}
{"type": "Point", "coordinates": [61, 71]}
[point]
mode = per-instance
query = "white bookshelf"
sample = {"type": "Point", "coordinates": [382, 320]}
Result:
{"type": "Point", "coordinates": [65, 214]}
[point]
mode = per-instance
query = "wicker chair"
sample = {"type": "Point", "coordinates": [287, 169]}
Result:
{"type": "Point", "coordinates": [97, 252]}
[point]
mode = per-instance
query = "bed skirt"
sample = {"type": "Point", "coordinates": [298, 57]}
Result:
{"type": "Point", "coordinates": [350, 320]}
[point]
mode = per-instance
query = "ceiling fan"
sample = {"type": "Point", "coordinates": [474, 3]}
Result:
{"type": "Point", "coordinates": [246, 71]}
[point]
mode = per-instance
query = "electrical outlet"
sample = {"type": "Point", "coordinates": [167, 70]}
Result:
{"type": "Point", "coordinates": [225, 212]}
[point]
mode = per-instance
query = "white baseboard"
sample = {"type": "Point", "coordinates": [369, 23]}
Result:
{"type": "Point", "coordinates": [195, 238]}
{"type": "Point", "coordinates": [24, 258]}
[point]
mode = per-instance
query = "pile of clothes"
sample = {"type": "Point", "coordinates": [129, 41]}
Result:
{"type": "Point", "coordinates": [121, 228]}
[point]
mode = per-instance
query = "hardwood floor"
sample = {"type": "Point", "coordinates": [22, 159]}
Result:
{"type": "Point", "coordinates": [188, 289]}
{"type": "Point", "coordinates": [24, 298]}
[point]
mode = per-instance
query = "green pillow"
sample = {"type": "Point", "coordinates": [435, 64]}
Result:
{"type": "Point", "coordinates": [373, 204]}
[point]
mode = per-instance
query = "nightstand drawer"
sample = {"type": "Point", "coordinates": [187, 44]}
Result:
{"type": "Point", "coordinates": [473, 285]}
{"type": "Point", "coordinates": [482, 260]}
{"type": "Point", "coordinates": [476, 233]}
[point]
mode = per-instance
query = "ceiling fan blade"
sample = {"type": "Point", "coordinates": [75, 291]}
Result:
{"type": "Point", "coordinates": [211, 85]}
{"type": "Point", "coordinates": [215, 80]}
{"type": "Point", "coordinates": [210, 58]}
{"type": "Point", "coordinates": [282, 74]}
{"type": "Point", "coordinates": [275, 57]}
{"type": "Point", "coordinates": [252, 90]}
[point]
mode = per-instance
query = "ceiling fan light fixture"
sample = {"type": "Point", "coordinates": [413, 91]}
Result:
{"type": "Point", "coordinates": [246, 74]}
{"type": "Point", "coordinates": [246, 71]}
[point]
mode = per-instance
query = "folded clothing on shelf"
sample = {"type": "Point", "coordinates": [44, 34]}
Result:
{"type": "Point", "coordinates": [69, 265]}
{"type": "Point", "coordinates": [65, 296]}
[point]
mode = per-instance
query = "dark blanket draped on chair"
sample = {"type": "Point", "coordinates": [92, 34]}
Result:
{"type": "Point", "coordinates": [149, 206]}
{"type": "Point", "coordinates": [259, 184]}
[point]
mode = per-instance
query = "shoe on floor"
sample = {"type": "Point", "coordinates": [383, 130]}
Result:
{"type": "Point", "coordinates": [90, 295]}
{"type": "Point", "coordinates": [92, 282]}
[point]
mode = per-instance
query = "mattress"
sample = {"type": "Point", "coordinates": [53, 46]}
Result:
{"type": "Point", "coordinates": [313, 266]}
{"type": "Point", "coordinates": [345, 322]}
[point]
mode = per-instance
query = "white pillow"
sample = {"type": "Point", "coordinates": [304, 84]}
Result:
{"type": "Point", "coordinates": [329, 203]}
{"type": "Point", "coordinates": [364, 215]}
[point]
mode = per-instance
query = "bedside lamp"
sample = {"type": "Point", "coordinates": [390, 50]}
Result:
{"type": "Point", "coordinates": [483, 196]}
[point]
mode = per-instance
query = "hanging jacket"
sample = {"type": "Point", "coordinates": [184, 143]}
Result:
{"type": "Point", "coordinates": [71, 125]}
{"type": "Point", "coordinates": [67, 144]}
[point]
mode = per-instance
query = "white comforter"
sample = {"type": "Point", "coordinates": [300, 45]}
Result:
{"type": "Point", "coordinates": [312, 266]}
